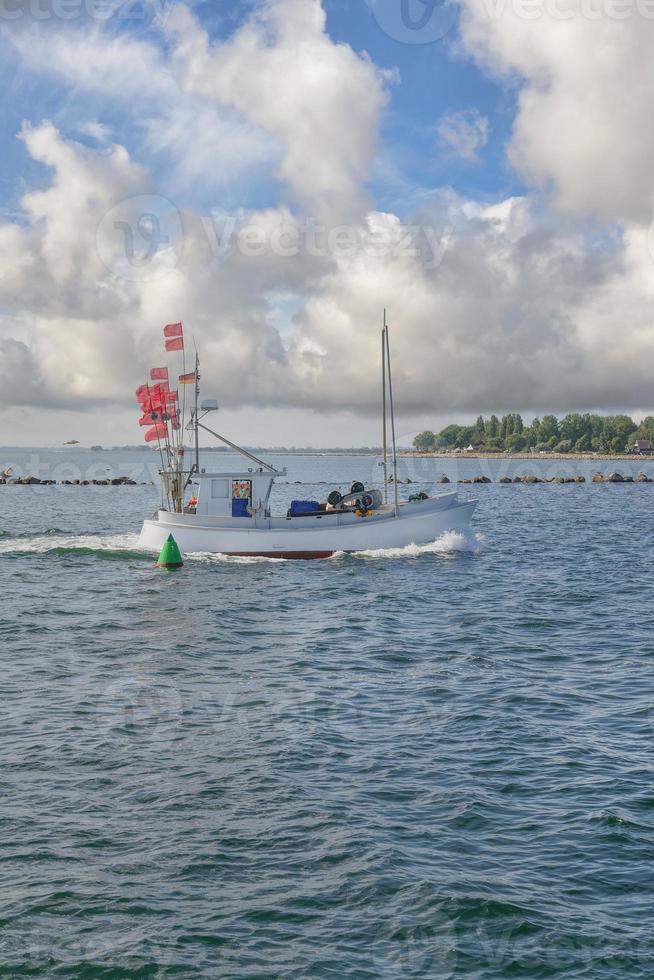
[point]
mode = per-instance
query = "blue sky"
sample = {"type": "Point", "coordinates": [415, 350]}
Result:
{"type": "Point", "coordinates": [433, 79]}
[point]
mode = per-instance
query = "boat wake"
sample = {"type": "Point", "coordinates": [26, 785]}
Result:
{"type": "Point", "coordinates": [213, 557]}
{"type": "Point", "coordinates": [56, 542]}
{"type": "Point", "coordinates": [449, 543]}
{"type": "Point", "coordinates": [117, 546]}
{"type": "Point", "coordinates": [60, 543]}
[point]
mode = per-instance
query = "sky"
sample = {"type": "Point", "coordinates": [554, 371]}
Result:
{"type": "Point", "coordinates": [275, 173]}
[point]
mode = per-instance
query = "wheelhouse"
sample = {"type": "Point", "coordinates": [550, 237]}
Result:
{"type": "Point", "coordinates": [240, 494]}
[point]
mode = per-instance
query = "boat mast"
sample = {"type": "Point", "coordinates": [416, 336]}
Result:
{"type": "Point", "coordinates": [390, 398]}
{"type": "Point", "coordinates": [384, 411]}
{"type": "Point", "coordinates": [196, 466]}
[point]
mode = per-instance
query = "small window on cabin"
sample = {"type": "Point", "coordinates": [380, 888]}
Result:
{"type": "Point", "coordinates": [219, 489]}
{"type": "Point", "coordinates": [242, 490]}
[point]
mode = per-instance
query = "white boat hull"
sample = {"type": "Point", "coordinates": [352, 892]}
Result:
{"type": "Point", "coordinates": [311, 537]}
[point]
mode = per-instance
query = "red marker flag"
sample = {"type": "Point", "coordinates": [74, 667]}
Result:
{"type": "Point", "coordinates": [157, 431]}
{"type": "Point", "coordinates": [159, 374]}
{"type": "Point", "coordinates": [176, 344]}
{"type": "Point", "coordinates": [158, 393]}
{"type": "Point", "coordinates": [173, 330]}
{"type": "Point", "coordinates": [145, 402]}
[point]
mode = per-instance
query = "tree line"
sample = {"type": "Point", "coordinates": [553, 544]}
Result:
{"type": "Point", "coordinates": [574, 433]}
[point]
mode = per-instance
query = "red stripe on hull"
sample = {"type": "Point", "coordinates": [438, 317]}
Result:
{"type": "Point", "coordinates": [298, 555]}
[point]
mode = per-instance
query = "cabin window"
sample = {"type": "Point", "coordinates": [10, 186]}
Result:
{"type": "Point", "coordinates": [242, 490]}
{"type": "Point", "coordinates": [219, 489]}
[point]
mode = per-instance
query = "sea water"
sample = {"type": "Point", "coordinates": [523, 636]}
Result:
{"type": "Point", "coordinates": [427, 762]}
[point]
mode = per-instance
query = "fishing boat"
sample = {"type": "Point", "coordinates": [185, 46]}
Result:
{"type": "Point", "coordinates": [230, 513]}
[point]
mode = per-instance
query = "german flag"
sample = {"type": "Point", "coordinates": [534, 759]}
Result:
{"type": "Point", "coordinates": [187, 379]}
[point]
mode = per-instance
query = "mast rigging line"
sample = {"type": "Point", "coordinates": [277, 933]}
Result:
{"type": "Point", "coordinates": [384, 412]}
{"type": "Point", "coordinates": [238, 449]}
{"type": "Point", "coordinates": [392, 410]}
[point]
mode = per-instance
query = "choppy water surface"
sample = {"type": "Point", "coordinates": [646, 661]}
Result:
{"type": "Point", "coordinates": [431, 763]}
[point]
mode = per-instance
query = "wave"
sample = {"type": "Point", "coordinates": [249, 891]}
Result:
{"type": "Point", "coordinates": [51, 531]}
{"type": "Point", "coordinates": [58, 543]}
{"type": "Point", "coordinates": [449, 543]}
{"type": "Point", "coordinates": [213, 557]}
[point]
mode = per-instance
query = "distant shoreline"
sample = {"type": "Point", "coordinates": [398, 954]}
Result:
{"type": "Point", "coordinates": [402, 454]}
{"type": "Point", "coordinates": [542, 457]}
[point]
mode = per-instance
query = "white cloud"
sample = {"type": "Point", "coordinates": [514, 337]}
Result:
{"type": "Point", "coordinates": [92, 331]}
{"type": "Point", "coordinates": [96, 130]}
{"type": "Point", "coordinates": [19, 375]}
{"type": "Point", "coordinates": [584, 114]}
{"type": "Point", "coordinates": [213, 146]}
{"type": "Point", "coordinates": [463, 134]}
{"type": "Point", "coordinates": [515, 315]}
{"type": "Point", "coordinates": [69, 211]}
{"type": "Point", "coordinates": [207, 143]}
{"type": "Point", "coordinates": [121, 67]}
{"type": "Point", "coordinates": [283, 73]}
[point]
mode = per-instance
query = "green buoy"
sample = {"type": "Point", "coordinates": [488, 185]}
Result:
{"type": "Point", "coordinates": [170, 556]}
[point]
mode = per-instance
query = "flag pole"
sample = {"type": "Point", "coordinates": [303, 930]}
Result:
{"type": "Point", "coordinates": [390, 398]}
{"type": "Point", "coordinates": [182, 427]}
{"type": "Point", "coordinates": [384, 412]}
{"type": "Point", "coordinates": [161, 455]}
{"type": "Point", "coordinates": [163, 467]}
{"type": "Point", "coordinates": [197, 425]}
